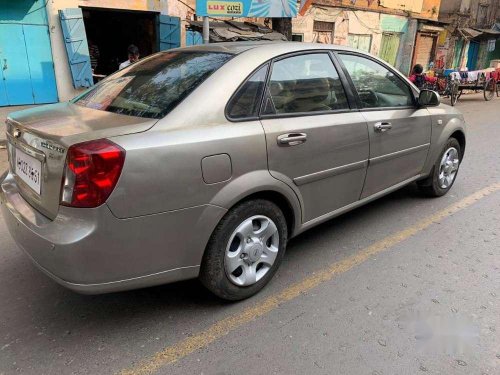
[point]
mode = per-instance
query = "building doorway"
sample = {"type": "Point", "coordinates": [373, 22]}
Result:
{"type": "Point", "coordinates": [389, 48]}
{"type": "Point", "coordinates": [473, 56]}
{"type": "Point", "coordinates": [459, 45]}
{"type": "Point", "coordinates": [425, 49]}
{"type": "Point", "coordinates": [111, 31]}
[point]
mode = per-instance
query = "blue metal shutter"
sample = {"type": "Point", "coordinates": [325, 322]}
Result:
{"type": "Point", "coordinates": [76, 46]}
{"type": "Point", "coordinates": [43, 79]}
{"type": "Point", "coordinates": [193, 38]}
{"type": "Point", "coordinates": [15, 66]}
{"type": "Point", "coordinates": [169, 29]}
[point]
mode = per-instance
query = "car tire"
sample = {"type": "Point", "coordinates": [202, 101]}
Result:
{"type": "Point", "coordinates": [234, 241]}
{"type": "Point", "coordinates": [444, 173]}
{"type": "Point", "coordinates": [489, 89]}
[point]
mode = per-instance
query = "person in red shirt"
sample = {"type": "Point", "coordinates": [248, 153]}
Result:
{"type": "Point", "coordinates": [419, 78]}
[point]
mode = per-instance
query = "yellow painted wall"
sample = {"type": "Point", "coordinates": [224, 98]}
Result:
{"type": "Point", "coordinates": [430, 9]}
{"type": "Point", "coordinates": [408, 5]}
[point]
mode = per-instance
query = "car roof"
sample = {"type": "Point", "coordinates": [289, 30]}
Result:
{"type": "Point", "coordinates": [238, 47]}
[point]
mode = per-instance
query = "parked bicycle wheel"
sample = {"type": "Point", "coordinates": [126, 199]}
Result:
{"type": "Point", "coordinates": [454, 93]}
{"type": "Point", "coordinates": [489, 89]}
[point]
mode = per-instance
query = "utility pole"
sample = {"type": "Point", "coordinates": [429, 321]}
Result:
{"type": "Point", "coordinates": [283, 26]}
{"type": "Point", "coordinates": [206, 30]}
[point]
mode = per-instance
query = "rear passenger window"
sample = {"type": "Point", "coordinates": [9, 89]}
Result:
{"type": "Point", "coordinates": [305, 83]}
{"type": "Point", "coordinates": [246, 102]}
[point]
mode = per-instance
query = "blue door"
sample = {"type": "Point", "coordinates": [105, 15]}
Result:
{"type": "Point", "coordinates": [472, 56]}
{"type": "Point", "coordinates": [77, 48]}
{"type": "Point", "coordinates": [15, 66]}
{"type": "Point", "coordinates": [3, 90]}
{"type": "Point", "coordinates": [43, 79]}
{"type": "Point", "coordinates": [27, 70]}
{"type": "Point", "coordinates": [169, 31]}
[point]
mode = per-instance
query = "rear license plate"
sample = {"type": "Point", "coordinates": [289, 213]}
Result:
{"type": "Point", "coordinates": [29, 170]}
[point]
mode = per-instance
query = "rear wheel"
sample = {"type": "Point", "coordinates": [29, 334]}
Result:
{"type": "Point", "coordinates": [489, 89]}
{"type": "Point", "coordinates": [444, 171]}
{"type": "Point", "coordinates": [245, 250]}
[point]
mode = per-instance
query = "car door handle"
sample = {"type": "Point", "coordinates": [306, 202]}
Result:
{"type": "Point", "coordinates": [382, 126]}
{"type": "Point", "coordinates": [292, 139]}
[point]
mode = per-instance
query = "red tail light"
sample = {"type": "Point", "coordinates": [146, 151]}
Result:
{"type": "Point", "coordinates": [92, 171]}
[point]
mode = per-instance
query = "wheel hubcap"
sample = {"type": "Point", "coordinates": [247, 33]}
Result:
{"type": "Point", "coordinates": [251, 250]}
{"type": "Point", "coordinates": [448, 168]}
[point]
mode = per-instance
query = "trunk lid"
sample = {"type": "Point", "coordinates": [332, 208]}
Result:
{"type": "Point", "coordinates": [38, 140]}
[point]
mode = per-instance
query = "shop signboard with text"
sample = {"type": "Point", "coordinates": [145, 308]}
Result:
{"type": "Point", "coordinates": [247, 8]}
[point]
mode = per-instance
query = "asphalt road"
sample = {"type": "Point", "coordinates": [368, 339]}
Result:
{"type": "Point", "coordinates": [405, 285]}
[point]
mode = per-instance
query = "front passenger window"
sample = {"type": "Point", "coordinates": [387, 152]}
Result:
{"type": "Point", "coordinates": [377, 87]}
{"type": "Point", "coordinates": [305, 83]}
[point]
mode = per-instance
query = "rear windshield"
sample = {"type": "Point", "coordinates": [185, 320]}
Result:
{"type": "Point", "coordinates": [154, 87]}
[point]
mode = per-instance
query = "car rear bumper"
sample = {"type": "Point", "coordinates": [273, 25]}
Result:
{"type": "Point", "coordinates": [92, 251]}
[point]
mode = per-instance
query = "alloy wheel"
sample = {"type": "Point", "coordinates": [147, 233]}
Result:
{"type": "Point", "coordinates": [251, 251]}
{"type": "Point", "coordinates": [448, 168]}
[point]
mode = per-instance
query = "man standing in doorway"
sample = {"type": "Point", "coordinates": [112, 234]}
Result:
{"type": "Point", "coordinates": [133, 56]}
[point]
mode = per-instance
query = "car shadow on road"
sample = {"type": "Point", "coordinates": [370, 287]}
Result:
{"type": "Point", "coordinates": [183, 305]}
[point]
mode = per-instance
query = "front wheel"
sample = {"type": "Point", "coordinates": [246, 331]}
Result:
{"type": "Point", "coordinates": [245, 250]}
{"type": "Point", "coordinates": [444, 172]}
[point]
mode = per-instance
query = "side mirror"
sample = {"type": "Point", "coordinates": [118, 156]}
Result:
{"type": "Point", "coordinates": [428, 98]}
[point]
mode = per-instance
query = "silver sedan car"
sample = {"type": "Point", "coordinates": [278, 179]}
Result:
{"type": "Point", "coordinates": [204, 162]}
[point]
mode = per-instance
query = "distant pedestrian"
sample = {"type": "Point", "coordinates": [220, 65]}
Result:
{"type": "Point", "coordinates": [133, 56]}
{"type": "Point", "coordinates": [419, 78]}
